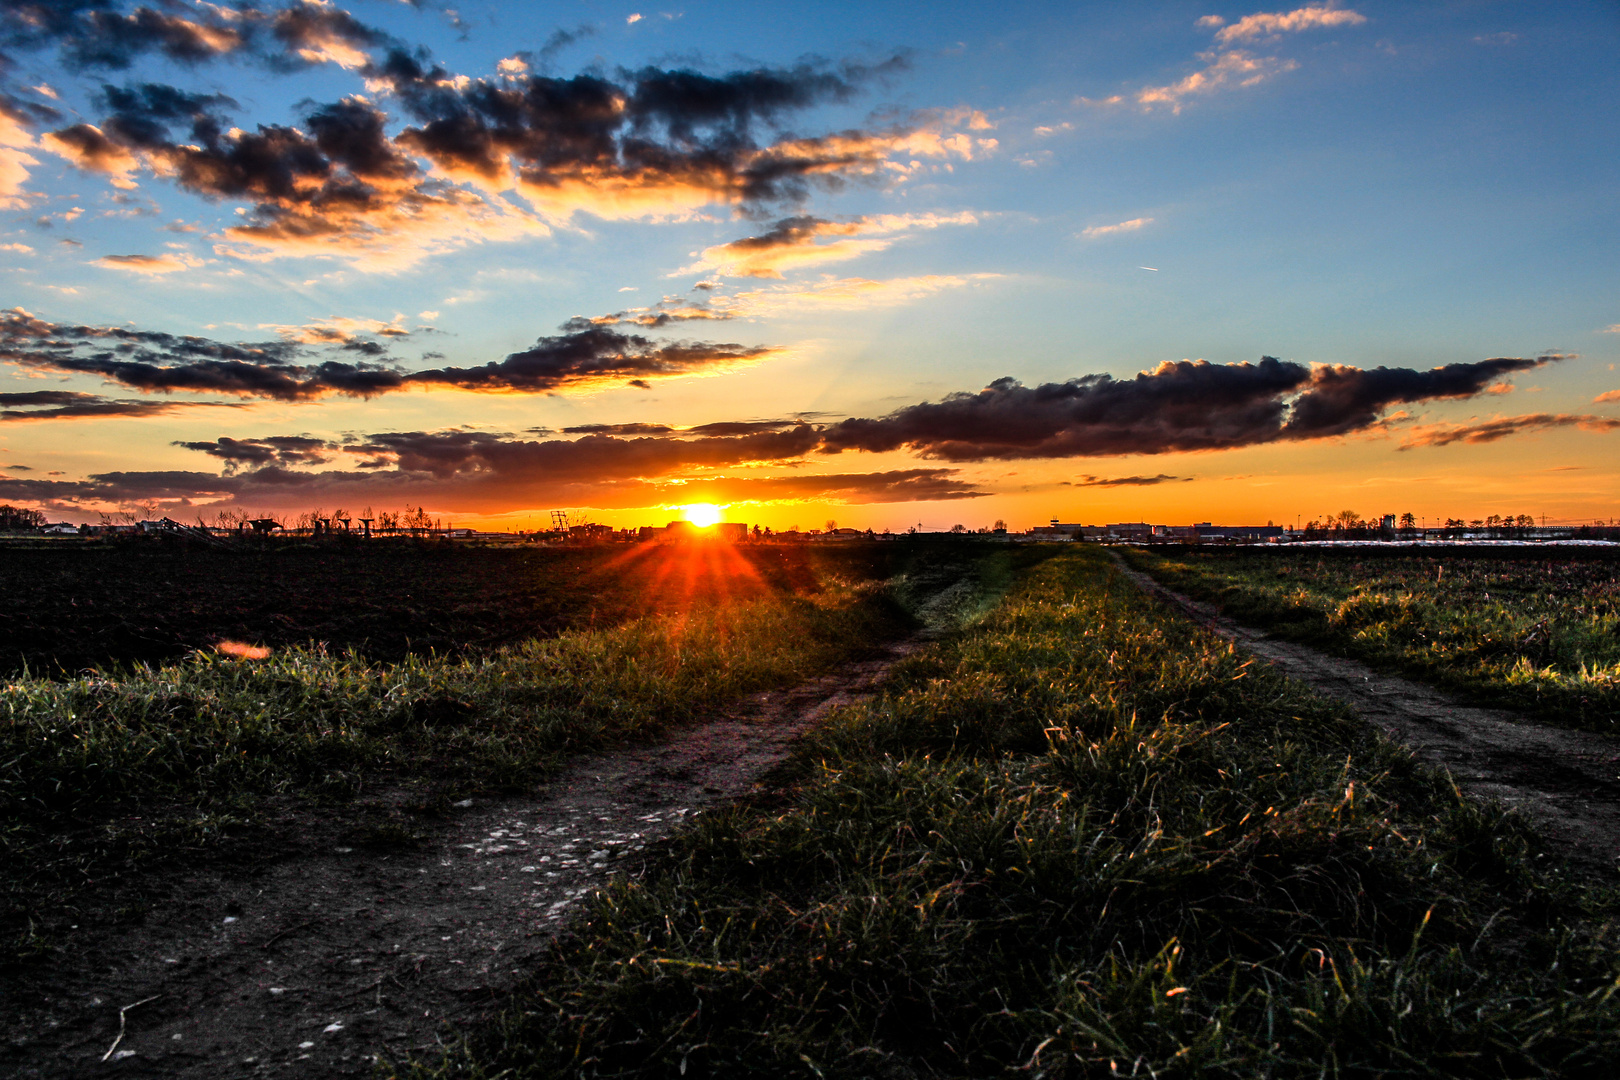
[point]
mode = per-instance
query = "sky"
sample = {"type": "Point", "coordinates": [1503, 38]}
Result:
{"type": "Point", "coordinates": [1171, 262]}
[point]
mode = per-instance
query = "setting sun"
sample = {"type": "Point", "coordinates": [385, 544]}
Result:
{"type": "Point", "coordinates": [703, 514]}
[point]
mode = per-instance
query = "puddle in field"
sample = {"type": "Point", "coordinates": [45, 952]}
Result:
{"type": "Point", "coordinates": [309, 967]}
{"type": "Point", "coordinates": [1566, 782]}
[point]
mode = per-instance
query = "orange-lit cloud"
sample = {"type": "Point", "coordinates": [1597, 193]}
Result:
{"type": "Point", "coordinates": [1227, 67]}
{"type": "Point", "coordinates": [15, 160]}
{"type": "Point", "coordinates": [1233, 68]}
{"type": "Point", "coordinates": [1268, 24]}
{"type": "Point", "coordinates": [1607, 396]}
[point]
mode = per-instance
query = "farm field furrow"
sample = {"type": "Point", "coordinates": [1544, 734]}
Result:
{"type": "Point", "coordinates": [1534, 630]}
{"type": "Point", "coordinates": [1083, 838]}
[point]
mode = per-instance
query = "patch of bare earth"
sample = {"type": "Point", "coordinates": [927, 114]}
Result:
{"type": "Point", "coordinates": [1566, 782]}
{"type": "Point", "coordinates": [315, 963]}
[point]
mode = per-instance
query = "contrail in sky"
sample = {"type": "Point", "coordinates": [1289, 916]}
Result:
{"type": "Point", "coordinates": [1155, 269]}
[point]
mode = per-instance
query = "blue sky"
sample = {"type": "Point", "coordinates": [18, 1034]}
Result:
{"type": "Point", "coordinates": [1343, 187]}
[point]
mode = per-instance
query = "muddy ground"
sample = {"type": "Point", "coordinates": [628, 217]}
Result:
{"type": "Point", "coordinates": [316, 962]}
{"type": "Point", "coordinates": [1566, 782]}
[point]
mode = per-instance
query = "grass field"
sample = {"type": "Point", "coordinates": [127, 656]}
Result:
{"type": "Point", "coordinates": [112, 771]}
{"type": "Point", "coordinates": [1081, 838]}
{"type": "Point", "coordinates": [1535, 630]}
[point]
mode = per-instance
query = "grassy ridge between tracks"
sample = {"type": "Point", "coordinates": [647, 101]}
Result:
{"type": "Point", "coordinates": [1081, 838]}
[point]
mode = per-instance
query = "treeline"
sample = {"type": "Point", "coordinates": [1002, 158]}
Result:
{"type": "Point", "coordinates": [14, 518]}
{"type": "Point", "coordinates": [1349, 525]}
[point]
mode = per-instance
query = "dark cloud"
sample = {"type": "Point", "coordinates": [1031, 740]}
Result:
{"type": "Point", "coordinates": [1344, 399]}
{"type": "Point", "coordinates": [290, 369]}
{"type": "Point", "coordinates": [616, 429]}
{"type": "Point", "coordinates": [141, 115]}
{"type": "Point", "coordinates": [157, 362]}
{"type": "Point", "coordinates": [593, 457]}
{"type": "Point", "coordinates": [1503, 426]}
{"type": "Point", "coordinates": [593, 355]}
{"type": "Point", "coordinates": [110, 35]}
{"type": "Point", "coordinates": [675, 128]}
{"type": "Point", "coordinates": [1178, 406]}
{"type": "Point", "coordinates": [258, 453]}
{"type": "Point", "coordinates": [71, 405]}
{"type": "Point", "coordinates": [42, 398]}
{"type": "Point", "coordinates": [1127, 481]}
{"type": "Point", "coordinates": [741, 427]}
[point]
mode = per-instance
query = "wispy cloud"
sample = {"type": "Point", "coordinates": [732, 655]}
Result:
{"type": "Point", "coordinates": [1228, 67]}
{"type": "Point", "coordinates": [1132, 225]}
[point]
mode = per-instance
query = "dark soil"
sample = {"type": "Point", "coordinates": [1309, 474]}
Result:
{"type": "Point", "coordinates": [1565, 782]}
{"type": "Point", "coordinates": [74, 604]}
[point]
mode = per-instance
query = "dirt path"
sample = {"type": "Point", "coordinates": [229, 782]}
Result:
{"type": "Point", "coordinates": [1566, 782]}
{"type": "Point", "coordinates": [312, 966]}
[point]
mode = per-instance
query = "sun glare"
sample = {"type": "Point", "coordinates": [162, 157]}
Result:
{"type": "Point", "coordinates": [702, 514]}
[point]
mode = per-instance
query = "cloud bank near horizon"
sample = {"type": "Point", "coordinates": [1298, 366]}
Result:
{"type": "Point", "coordinates": [1176, 407]}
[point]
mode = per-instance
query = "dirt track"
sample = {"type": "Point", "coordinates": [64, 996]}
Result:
{"type": "Point", "coordinates": [312, 965]}
{"type": "Point", "coordinates": [1566, 782]}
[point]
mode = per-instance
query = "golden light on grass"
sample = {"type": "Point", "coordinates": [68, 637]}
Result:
{"type": "Point", "coordinates": [241, 650]}
{"type": "Point", "coordinates": [702, 514]}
